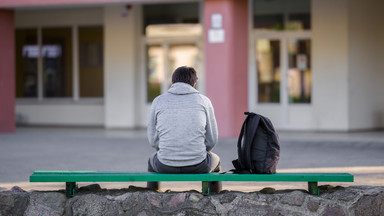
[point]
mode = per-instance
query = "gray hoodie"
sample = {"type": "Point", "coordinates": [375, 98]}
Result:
{"type": "Point", "coordinates": [182, 126]}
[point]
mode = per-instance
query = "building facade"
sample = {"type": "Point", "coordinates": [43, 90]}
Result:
{"type": "Point", "coordinates": [306, 64]}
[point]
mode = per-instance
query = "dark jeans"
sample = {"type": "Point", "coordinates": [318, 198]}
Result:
{"type": "Point", "coordinates": [210, 164]}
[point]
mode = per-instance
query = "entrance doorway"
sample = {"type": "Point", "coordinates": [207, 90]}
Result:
{"type": "Point", "coordinates": [281, 83]}
{"type": "Point", "coordinates": [173, 37]}
{"type": "Point", "coordinates": [162, 57]}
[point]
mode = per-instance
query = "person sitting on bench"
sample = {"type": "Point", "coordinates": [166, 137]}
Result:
{"type": "Point", "coordinates": [183, 130]}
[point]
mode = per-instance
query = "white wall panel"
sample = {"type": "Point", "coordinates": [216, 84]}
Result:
{"type": "Point", "coordinates": [60, 114]}
{"type": "Point", "coordinates": [366, 53]}
{"type": "Point", "coordinates": [330, 64]}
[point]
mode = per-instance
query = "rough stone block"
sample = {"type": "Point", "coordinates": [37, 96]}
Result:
{"type": "Point", "coordinates": [313, 205]}
{"type": "Point", "coordinates": [333, 211]}
{"type": "Point", "coordinates": [46, 203]}
{"type": "Point", "coordinates": [370, 205]}
{"type": "Point", "coordinates": [13, 203]}
{"type": "Point", "coordinates": [295, 198]}
{"type": "Point", "coordinates": [92, 204]}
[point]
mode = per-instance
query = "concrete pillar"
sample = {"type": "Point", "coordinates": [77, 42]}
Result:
{"type": "Point", "coordinates": [7, 71]}
{"type": "Point", "coordinates": [227, 62]}
{"type": "Point", "coordinates": [366, 65]}
{"type": "Point", "coordinates": [330, 64]}
{"type": "Point", "coordinates": [119, 67]}
{"type": "Point", "coordinates": [348, 64]}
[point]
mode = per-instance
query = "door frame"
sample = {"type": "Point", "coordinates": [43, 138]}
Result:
{"type": "Point", "coordinates": [166, 42]}
{"type": "Point", "coordinates": [279, 112]}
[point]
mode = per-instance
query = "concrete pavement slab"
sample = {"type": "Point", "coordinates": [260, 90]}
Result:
{"type": "Point", "coordinates": [54, 148]}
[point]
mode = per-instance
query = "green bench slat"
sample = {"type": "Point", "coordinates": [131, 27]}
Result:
{"type": "Point", "coordinates": [91, 176]}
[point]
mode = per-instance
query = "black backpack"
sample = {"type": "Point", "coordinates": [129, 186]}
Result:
{"type": "Point", "coordinates": [257, 147]}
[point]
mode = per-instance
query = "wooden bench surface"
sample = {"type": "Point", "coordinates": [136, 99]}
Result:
{"type": "Point", "coordinates": [92, 176]}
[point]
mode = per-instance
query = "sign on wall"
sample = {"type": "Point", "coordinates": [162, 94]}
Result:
{"type": "Point", "coordinates": [216, 34]}
{"type": "Point", "coordinates": [302, 62]}
{"type": "Point", "coordinates": [217, 21]}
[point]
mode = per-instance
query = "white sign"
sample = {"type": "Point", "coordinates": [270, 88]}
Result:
{"type": "Point", "coordinates": [302, 62]}
{"type": "Point", "coordinates": [216, 21]}
{"type": "Point", "coordinates": [216, 36]}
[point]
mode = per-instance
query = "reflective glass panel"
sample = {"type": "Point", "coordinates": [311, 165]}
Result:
{"type": "Point", "coordinates": [182, 55]}
{"type": "Point", "coordinates": [173, 13]}
{"type": "Point", "coordinates": [282, 14]}
{"type": "Point", "coordinates": [173, 30]}
{"type": "Point", "coordinates": [27, 52]}
{"type": "Point", "coordinates": [299, 21]}
{"type": "Point", "coordinates": [155, 71]}
{"type": "Point", "coordinates": [299, 72]}
{"type": "Point", "coordinates": [91, 62]}
{"type": "Point", "coordinates": [268, 70]}
{"type": "Point", "coordinates": [57, 62]}
{"type": "Point", "coordinates": [268, 21]}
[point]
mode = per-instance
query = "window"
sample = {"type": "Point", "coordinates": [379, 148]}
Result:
{"type": "Point", "coordinates": [268, 71]}
{"type": "Point", "coordinates": [269, 21]}
{"type": "Point", "coordinates": [158, 14]}
{"type": "Point", "coordinates": [57, 72]}
{"type": "Point", "coordinates": [91, 62]}
{"type": "Point", "coordinates": [27, 52]}
{"type": "Point", "coordinates": [299, 21]}
{"type": "Point", "coordinates": [282, 14]}
{"type": "Point", "coordinates": [57, 62]}
{"type": "Point", "coordinates": [299, 71]}
{"type": "Point", "coordinates": [155, 71]}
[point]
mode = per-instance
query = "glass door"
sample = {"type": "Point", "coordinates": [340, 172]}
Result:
{"type": "Point", "coordinates": [163, 59]}
{"type": "Point", "coordinates": [299, 71]}
{"type": "Point", "coordinates": [282, 81]}
{"type": "Point", "coordinates": [268, 70]}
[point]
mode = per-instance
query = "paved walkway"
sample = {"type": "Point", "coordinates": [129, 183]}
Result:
{"type": "Point", "coordinates": [43, 148]}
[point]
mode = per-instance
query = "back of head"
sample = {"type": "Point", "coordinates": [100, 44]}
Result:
{"type": "Point", "coordinates": [185, 74]}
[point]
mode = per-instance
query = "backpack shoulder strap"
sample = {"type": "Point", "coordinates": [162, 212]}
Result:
{"type": "Point", "coordinates": [250, 134]}
{"type": "Point", "coordinates": [244, 143]}
{"type": "Point", "coordinates": [239, 163]}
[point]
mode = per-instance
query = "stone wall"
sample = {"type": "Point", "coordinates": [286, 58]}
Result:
{"type": "Point", "coordinates": [92, 200]}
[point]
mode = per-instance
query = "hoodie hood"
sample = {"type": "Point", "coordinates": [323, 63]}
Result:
{"type": "Point", "coordinates": [181, 88]}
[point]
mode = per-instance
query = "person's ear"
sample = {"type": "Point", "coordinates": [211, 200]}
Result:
{"type": "Point", "coordinates": [194, 85]}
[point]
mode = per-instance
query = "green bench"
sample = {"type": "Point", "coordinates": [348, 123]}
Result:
{"type": "Point", "coordinates": [71, 177]}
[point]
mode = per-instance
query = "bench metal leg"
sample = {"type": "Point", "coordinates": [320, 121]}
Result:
{"type": "Point", "coordinates": [205, 188]}
{"type": "Point", "coordinates": [70, 189]}
{"type": "Point", "coordinates": [312, 188]}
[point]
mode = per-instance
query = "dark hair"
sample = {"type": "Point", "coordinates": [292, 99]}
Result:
{"type": "Point", "coordinates": [184, 74]}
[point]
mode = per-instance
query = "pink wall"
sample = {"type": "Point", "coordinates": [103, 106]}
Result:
{"type": "Point", "coordinates": [7, 71]}
{"type": "Point", "coordinates": [227, 64]}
